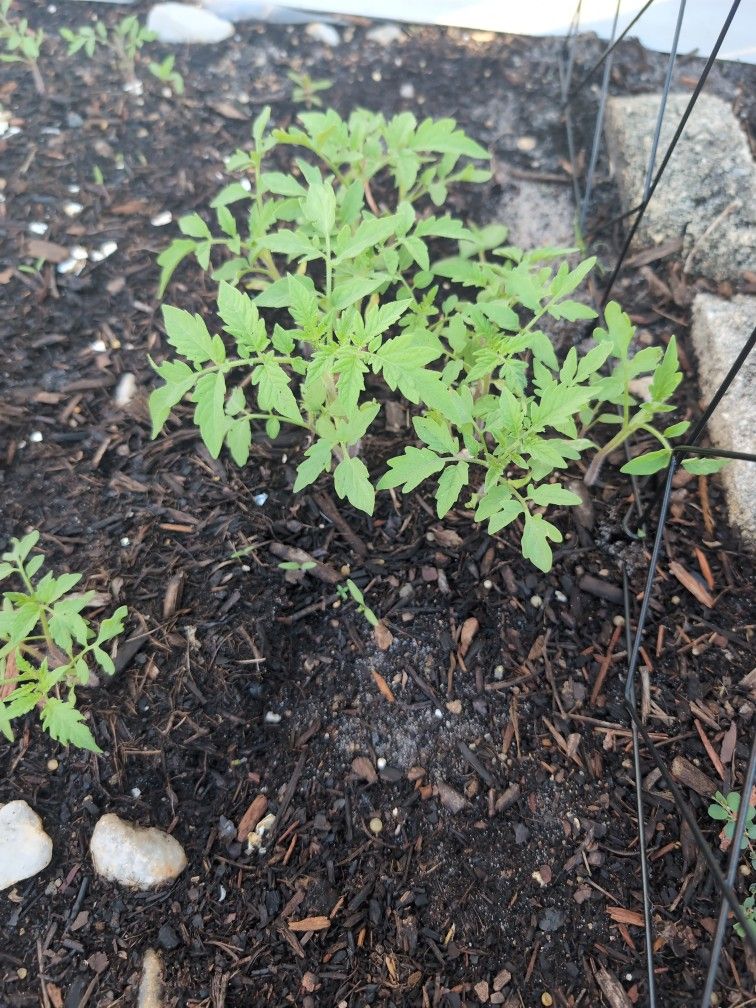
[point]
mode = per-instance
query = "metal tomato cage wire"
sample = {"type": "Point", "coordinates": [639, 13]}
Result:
{"type": "Point", "coordinates": [642, 742]}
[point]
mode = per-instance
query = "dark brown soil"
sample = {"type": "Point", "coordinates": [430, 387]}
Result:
{"type": "Point", "coordinates": [506, 864]}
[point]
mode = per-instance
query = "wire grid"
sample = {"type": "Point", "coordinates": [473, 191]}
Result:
{"type": "Point", "coordinates": [724, 882]}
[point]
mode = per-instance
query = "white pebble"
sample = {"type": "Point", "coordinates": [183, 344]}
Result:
{"type": "Point", "coordinates": [438, 713]}
{"type": "Point", "coordinates": [125, 389]}
{"type": "Point", "coordinates": [560, 596]}
{"type": "Point", "coordinates": [536, 601]}
{"type": "Point", "coordinates": [74, 189]}
{"type": "Point", "coordinates": [385, 34]}
{"type": "Point", "coordinates": [407, 90]}
{"type": "Point", "coordinates": [324, 33]}
{"type": "Point", "coordinates": [135, 856]}
{"type": "Point", "coordinates": [260, 499]}
{"type": "Point", "coordinates": [125, 541]}
{"type": "Point", "coordinates": [161, 219]}
{"type": "Point", "coordinates": [136, 793]}
{"type": "Point", "coordinates": [246, 184]}
{"type": "Point", "coordinates": [35, 437]}
{"type": "Point", "coordinates": [71, 266]}
{"type": "Point", "coordinates": [381, 763]}
{"type": "Point", "coordinates": [272, 718]}
{"type": "Point", "coordinates": [133, 87]}
{"type": "Point", "coordinates": [106, 249]}
{"type": "Point", "coordinates": [38, 227]}
{"type": "Point", "coordinates": [72, 209]}
{"type": "Point", "coordinates": [499, 672]}
{"type": "Point", "coordinates": [99, 346]}
{"type": "Point", "coordinates": [25, 848]}
{"type": "Point", "coordinates": [78, 252]}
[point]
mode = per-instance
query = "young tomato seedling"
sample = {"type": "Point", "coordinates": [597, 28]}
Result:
{"type": "Point", "coordinates": [21, 43]}
{"type": "Point", "coordinates": [47, 645]}
{"type": "Point", "coordinates": [334, 299]}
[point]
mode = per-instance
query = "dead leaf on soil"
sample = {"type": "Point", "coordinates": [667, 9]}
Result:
{"type": "Point", "coordinates": [252, 817]}
{"type": "Point", "coordinates": [383, 636]}
{"type": "Point", "coordinates": [622, 916]}
{"type": "Point", "coordinates": [310, 924]}
{"type": "Point", "coordinates": [38, 248]}
{"type": "Point", "coordinates": [364, 769]}
{"type": "Point", "coordinates": [229, 111]}
{"type": "Point", "coordinates": [6, 275]}
{"type": "Point", "coordinates": [692, 584]}
{"type": "Point", "coordinates": [8, 683]}
{"type": "Point", "coordinates": [469, 629]}
{"type": "Point", "coordinates": [130, 207]}
{"type": "Point", "coordinates": [383, 687]}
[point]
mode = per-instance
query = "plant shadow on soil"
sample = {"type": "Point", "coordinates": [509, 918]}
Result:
{"type": "Point", "coordinates": [506, 800]}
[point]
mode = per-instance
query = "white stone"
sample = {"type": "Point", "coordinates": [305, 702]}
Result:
{"type": "Point", "coordinates": [385, 34]}
{"type": "Point", "coordinates": [707, 195]}
{"type": "Point", "coordinates": [125, 389]}
{"type": "Point", "coordinates": [136, 856]}
{"type": "Point", "coordinates": [324, 33]}
{"type": "Point", "coordinates": [177, 23]}
{"type": "Point", "coordinates": [719, 331]}
{"type": "Point", "coordinates": [151, 984]}
{"type": "Point", "coordinates": [256, 10]}
{"type": "Point", "coordinates": [25, 848]}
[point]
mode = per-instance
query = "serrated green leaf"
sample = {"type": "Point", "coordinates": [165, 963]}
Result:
{"type": "Point", "coordinates": [65, 724]}
{"type": "Point", "coordinates": [317, 460]}
{"type": "Point", "coordinates": [239, 441]}
{"type": "Point", "coordinates": [188, 335]}
{"type": "Point", "coordinates": [436, 434]}
{"type": "Point", "coordinates": [209, 412]}
{"type": "Point", "coordinates": [351, 480]}
{"type": "Point", "coordinates": [410, 469]}
{"type": "Point", "coordinates": [450, 485]}
{"type": "Point", "coordinates": [667, 376]}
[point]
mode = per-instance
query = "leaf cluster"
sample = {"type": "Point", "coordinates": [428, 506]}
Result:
{"type": "Point", "coordinates": [124, 41]}
{"type": "Point", "coordinates": [333, 297]}
{"type": "Point", "coordinates": [47, 646]}
{"type": "Point", "coordinates": [22, 44]}
{"type": "Point", "coordinates": [724, 809]}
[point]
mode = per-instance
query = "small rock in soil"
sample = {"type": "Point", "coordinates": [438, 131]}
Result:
{"type": "Point", "coordinates": [323, 33]}
{"type": "Point", "coordinates": [151, 984]}
{"type": "Point", "coordinates": [167, 938]}
{"type": "Point", "coordinates": [125, 389]}
{"type": "Point", "coordinates": [134, 855]}
{"type": "Point", "coordinates": [551, 920]}
{"type": "Point", "coordinates": [178, 23]}
{"type": "Point", "coordinates": [25, 848]}
{"type": "Point", "coordinates": [385, 34]}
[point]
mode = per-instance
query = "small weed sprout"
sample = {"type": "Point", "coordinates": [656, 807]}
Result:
{"type": "Point", "coordinates": [297, 565]}
{"type": "Point", "coordinates": [21, 44]}
{"type": "Point", "coordinates": [164, 72]}
{"type": "Point", "coordinates": [325, 296]}
{"type": "Point", "coordinates": [46, 645]}
{"type": "Point", "coordinates": [725, 809]}
{"type": "Point", "coordinates": [124, 42]}
{"type": "Point", "coordinates": [305, 89]}
{"type": "Point", "coordinates": [350, 589]}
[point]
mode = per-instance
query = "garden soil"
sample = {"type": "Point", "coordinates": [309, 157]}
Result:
{"type": "Point", "coordinates": [457, 813]}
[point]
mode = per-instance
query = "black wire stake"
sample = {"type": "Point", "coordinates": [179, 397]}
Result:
{"type": "Point", "coordinates": [670, 149]}
{"type": "Point", "coordinates": [607, 52]}
{"type": "Point", "coordinates": [648, 908]}
{"type": "Point", "coordinates": [663, 102]}
{"type": "Point", "coordinates": [599, 125]}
